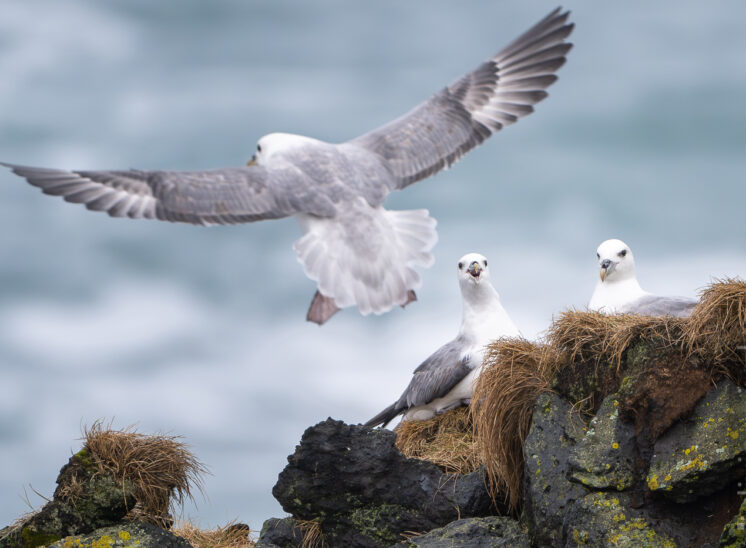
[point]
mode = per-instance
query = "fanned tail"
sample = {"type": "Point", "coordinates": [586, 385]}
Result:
{"type": "Point", "coordinates": [367, 256]}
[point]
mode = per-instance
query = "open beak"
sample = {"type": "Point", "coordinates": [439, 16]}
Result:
{"type": "Point", "coordinates": [606, 267]}
{"type": "Point", "coordinates": [252, 162]}
{"type": "Point", "coordinates": [474, 269]}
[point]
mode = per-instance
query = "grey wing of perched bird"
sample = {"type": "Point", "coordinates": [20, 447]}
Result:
{"type": "Point", "coordinates": [219, 196]}
{"type": "Point", "coordinates": [655, 305]}
{"type": "Point", "coordinates": [439, 131]}
{"type": "Point", "coordinates": [433, 379]}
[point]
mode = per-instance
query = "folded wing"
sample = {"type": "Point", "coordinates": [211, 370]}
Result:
{"type": "Point", "coordinates": [434, 378]}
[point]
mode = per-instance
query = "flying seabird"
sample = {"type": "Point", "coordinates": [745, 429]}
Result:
{"type": "Point", "coordinates": [446, 379]}
{"type": "Point", "coordinates": [358, 252]}
{"type": "Point", "coordinates": [618, 292]}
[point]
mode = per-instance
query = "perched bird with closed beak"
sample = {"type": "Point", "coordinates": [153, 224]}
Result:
{"type": "Point", "coordinates": [619, 292]}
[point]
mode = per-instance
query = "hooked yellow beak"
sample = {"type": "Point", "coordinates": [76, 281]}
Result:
{"type": "Point", "coordinates": [252, 162]}
{"type": "Point", "coordinates": [475, 269]}
{"type": "Point", "coordinates": [603, 274]}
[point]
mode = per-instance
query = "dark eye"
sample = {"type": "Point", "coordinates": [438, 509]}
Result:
{"type": "Point", "coordinates": [623, 252]}
{"type": "Point", "coordinates": [485, 263]}
{"type": "Point", "coordinates": [460, 266]}
{"type": "Point", "coordinates": [258, 148]}
{"type": "Point", "coordinates": [598, 256]}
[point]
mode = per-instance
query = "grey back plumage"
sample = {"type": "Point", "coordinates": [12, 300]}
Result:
{"type": "Point", "coordinates": [655, 305]}
{"type": "Point", "coordinates": [500, 91]}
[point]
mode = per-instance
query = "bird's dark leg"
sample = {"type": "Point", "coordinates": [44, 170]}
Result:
{"type": "Point", "coordinates": [411, 297]}
{"type": "Point", "coordinates": [322, 308]}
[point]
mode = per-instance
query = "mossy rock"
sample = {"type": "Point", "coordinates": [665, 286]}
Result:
{"type": "Point", "coordinates": [734, 533]}
{"type": "Point", "coordinates": [548, 493]}
{"type": "Point", "coordinates": [604, 457]}
{"type": "Point", "coordinates": [83, 501]}
{"type": "Point", "coordinates": [606, 519]}
{"type": "Point", "coordinates": [702, 455]}
{"type": "Point", "coordinates": [125, 535]}
{"type": "Point", "coordinates": [490, 532]}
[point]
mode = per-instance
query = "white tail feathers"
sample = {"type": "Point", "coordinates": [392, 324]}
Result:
{"type": "Point", "coordinates": [366, 256]}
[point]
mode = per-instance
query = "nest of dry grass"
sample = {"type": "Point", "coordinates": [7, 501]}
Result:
{"type": "Point", "coordinates": [161, 468]}
{"type": "Point", "coordinates": [446, 440]}
{"type": "Point", "coordinates": [591, 337]}
{"type": "Point", "coordinates": [232, 535]}
{"type": "Point", "coordinates": [515, 372]}
{"type": "Point", "coordinates": [716, 330]}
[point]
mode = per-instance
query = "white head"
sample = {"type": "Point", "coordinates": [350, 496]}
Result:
{"type": "Point", "coordinates": [616, 261]}
{"type": "Point", "coordinates": [473, 271]}
{"type": "Point", "coordinates": [272, 143]}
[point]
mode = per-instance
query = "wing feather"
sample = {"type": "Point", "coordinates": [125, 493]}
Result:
{"type": "Point", "coordinates": [500, 91]}
{"type": "Point", "coordinates": [221, 196]}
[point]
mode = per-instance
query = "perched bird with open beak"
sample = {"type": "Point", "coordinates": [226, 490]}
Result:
{"type": "Point", "coordinates": [619, 292]}
{"type": "Point", "coordinates": [446, 379]}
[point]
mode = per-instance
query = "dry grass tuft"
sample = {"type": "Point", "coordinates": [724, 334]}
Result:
{"type": "Point", "coordinates": [229, 536]}
{"type": "Point", "coordinates": [161, 468]}
{"type": "Point", "coordinates": [446, 440]}
{"type": "Point", "coordinates": [716, 331]}
{"type": "Point", "coordinates": [592, 337]}
{"type": "Point", "coordinates": [515, 372]}
{"type": "Point", "coordinates": [312, 535]}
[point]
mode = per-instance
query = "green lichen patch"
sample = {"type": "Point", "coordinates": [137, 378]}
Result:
{"type": "Point", "coordinates": [604, 457]}
{"type": "Point", "coordinates": [734, 533]}
{"type": "Point", "coordinates": [701, 456]}
{"type": "Point", "coordinates": [605, 519]}
{"type": "Point", "coordinates": [125, 535]}
{"type": "Point", "coordinates": [375, 521]}
{"type": "Point", "coordinates": [496, 532]}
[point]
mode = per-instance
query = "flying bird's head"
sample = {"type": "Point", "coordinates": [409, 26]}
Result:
{"type": "Point", "coordinates": [615, 261]}
{"type": "Point", "coordinates": [473, 270]}
{"type": "Point", "coordinates": [272, 143]}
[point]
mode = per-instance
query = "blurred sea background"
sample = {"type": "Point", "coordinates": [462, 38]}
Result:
{"type": "Point", "coordinates": [200, 332]}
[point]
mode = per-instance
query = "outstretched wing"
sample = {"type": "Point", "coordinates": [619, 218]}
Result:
{"type": "Point", "coordinates": [655, 305]}
{"type": "Point", "coordinates": [500, 91]}
{"type": "Point", "coordinates": [220, 196]}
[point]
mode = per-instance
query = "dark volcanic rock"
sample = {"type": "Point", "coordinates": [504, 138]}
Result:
{"type": "Point", "coordinates": [84, 500]}
{"type": "Point", "coordinates": [280, 533]}
{"type": "Point", "coordinates": [548, 493]}
{"type": "Point", "coordinates": [705, 453]}
{"type": "Point", "coordinates": [125, 535]}
{"type": "Point", "coordinates": [364, 492]}
{"type": "Point", "coordinates": [492, 532]}
{"type": "Point", "coordinates": [604, 458]}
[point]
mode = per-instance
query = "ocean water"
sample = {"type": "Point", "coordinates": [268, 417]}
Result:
{"type": "Point", "coordinates": [200, 332]}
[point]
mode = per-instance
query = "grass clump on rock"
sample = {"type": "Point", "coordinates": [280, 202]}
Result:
{"type": "Point", "coordinates": [161, 468]}
{"type": "Point", "coordinates": [233, 535]}
{"type": "Point", "coordinates": [515, 372]}
{"type": "Point", "coordinates": [446, 440]}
